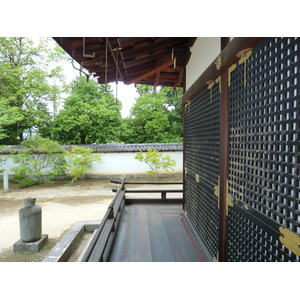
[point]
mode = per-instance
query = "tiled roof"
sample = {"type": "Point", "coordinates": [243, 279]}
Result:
{"type": "Point", "coordinates": [104, 148]}
{"type": "Point", "coordinates": [131, 147]}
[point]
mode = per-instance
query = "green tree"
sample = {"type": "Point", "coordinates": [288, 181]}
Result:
{"type": "Point", "coordinates": [39, 160]}
{"type": "Point", "coordinates": [156, 161]}
{"type": "Point", "coordinates": [25, 89]}
{"type": "Point", "coordinates": [90, 115]}
{"type": "Point", "coordinates": [156, 116]}
{"type": "Point", "coordinates": [79, 161]}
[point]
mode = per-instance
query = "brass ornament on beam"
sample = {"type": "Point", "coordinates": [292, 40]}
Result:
{"type": "Point", "coordinates": [218, 63]}
{"type": "Point", "coordinates": [243, 56]}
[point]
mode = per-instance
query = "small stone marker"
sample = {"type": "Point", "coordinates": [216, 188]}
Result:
{"type": "Point", "coordinates": [5, 181]}
{"type": "Point", "coordinates": [30, 217]}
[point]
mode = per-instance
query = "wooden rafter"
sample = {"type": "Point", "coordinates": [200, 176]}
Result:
{"type": "Point", "coordinates": [142, 60]}
{"type": "Point", "coordinates": [156, 79]}
{"type": "Point", "coordinates": [159, 65]}
{"type": "Point", "coordinates": [146, 59]}
{"type": "Point", "coordinates": [151, 48]}
{"type": "Point", "coordinates": [179, 80]}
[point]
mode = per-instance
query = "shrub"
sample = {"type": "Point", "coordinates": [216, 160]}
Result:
{"type": "Point", "coordinates": [79, 161]}
{"type": "Point", "coordinates": [156, 161]}
{"type": "Point", "coordinates": [37, 158]}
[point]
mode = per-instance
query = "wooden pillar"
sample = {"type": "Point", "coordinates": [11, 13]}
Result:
{"type": "Point", "coordinates": [224, 140]}
{"type": "Point", "coordinates": [224, 42]}
{"type": "Point", "coordinates": [184, 141]}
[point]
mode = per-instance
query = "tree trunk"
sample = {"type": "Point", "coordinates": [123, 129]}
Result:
{"type": "Point", "coordinates": [21, 137]}
{"type": "Point", "coordinates": [82, 138]}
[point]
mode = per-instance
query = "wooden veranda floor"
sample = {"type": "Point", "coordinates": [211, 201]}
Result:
{"type": "Point", "coordinates": [152, 233]}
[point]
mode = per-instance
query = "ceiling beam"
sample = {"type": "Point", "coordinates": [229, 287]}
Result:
{"type": "Point", "coordinates": [153, 47]}
{"type": "Point", "coordinates": [159, 66]}
{"type": "Point", "coordinates": [134, 62]}
{"type": "Point", "coordinates": [179, 80]}
{"type": "Point", "coordinates": [156, 79]}
{"type": "Point", "coordinates": [129, 41]}
{"type": "Point", "coordinates": [139, 69]}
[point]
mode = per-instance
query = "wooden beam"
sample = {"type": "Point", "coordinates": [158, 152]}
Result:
{"type": "Point", "coordinates": [179, 80]}
{"type": "Point", "coordinates": [156, 82]}
{"type": "Point", "coordinates": [154, 47]}
{"type": "Point", "coordinates": [149, 58]}
{"type": "Point", "coordinates": [128, 41]}
{"type": "Point", "coordinates": [139, 69]}
{"type": "Point", "coordinates": [159, 66]}
{"type": "Point", "coordinates": [228, 57]}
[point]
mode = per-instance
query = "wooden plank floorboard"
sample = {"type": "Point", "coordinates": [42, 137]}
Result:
{"type": "Point", "coordinates": [181, 246]}
{"type": "Point", "coordinates": [160, 246]}
{"type": "Point", "coordinates": [152, 233]}
{"type": "Point", "coordinates": [122, 246]}
{"type": "Point", "coordinates": [141, 248]}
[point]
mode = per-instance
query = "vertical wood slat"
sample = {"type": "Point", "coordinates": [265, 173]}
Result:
{"type": "Point", "coordinates": [224, 136]}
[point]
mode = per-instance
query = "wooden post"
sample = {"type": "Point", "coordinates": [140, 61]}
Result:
{"type": "Point", "coordinates": [224, 131]}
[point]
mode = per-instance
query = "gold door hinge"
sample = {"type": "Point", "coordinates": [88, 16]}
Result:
{"type": "Point", "coordinates": [218, 80]}
{"type": "Point", "coordinates": [230, 70]}
{"type": "Point", "coordinates": [210, 84]}
{"type": "Point", "coordinates": [187, 106]}
{"type": "Point", "coordinates": [216, 258]}
{"type": "Point", "coordinates": [290, 240]}
{"type": "Point", "coordinates": [229, 198]}
{"type": "Point", "coordinates": [243, 55]}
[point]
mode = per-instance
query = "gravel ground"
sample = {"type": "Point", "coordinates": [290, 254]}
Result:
{"type": "Point", "coordinates": [62, 206]}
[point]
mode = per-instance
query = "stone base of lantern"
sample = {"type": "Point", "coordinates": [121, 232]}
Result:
{"type": "Point", "coordinates": [21, 247]}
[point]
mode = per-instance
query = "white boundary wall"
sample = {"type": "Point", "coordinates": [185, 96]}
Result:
{"type": "Point", "coordinates": [117, 163]}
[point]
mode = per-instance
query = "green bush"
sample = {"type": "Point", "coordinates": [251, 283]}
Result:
{"type": "Point", "coordinates": [79, 161]}
{"type": "Point", "coordinates": [156, 161]}
{"type": "Point", "coordinates": [39, 160]}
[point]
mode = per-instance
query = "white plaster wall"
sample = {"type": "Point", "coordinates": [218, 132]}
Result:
{"type": "Point", "coordinates": [116, 163]}
{"type": "Point", "coordinates": [204, 52]}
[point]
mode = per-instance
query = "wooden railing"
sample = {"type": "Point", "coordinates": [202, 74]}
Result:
{"type": "Point", "coordinates": [100, 247]}
{"type": "Point", "coordinates": [163, 193]}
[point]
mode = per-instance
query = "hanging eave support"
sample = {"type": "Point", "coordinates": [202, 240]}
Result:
{"type": "Point", "coordinates": [113, 55]}
{"type": "Point", "coordinates": [83, 50]}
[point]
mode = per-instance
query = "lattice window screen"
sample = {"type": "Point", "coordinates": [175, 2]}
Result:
{"type": "Point", "coordinates": [264, 151]}
{"type": "Point", "coordinates": [202, 165]}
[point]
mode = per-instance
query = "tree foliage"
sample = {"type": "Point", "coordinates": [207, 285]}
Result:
{"type": "Point", "coordinates": [34, 99]}
{"type": "Point", "coordinates": [155, 117]}
{"type": "Point", "coordinates": [156, 161]}
{"type": "Point", "coordinates": [90, 115]}
{"type": "Point", "coordinates": [24, 88]}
